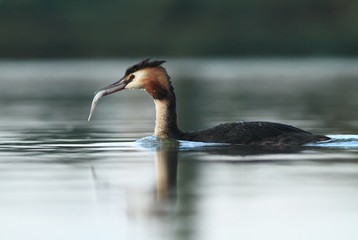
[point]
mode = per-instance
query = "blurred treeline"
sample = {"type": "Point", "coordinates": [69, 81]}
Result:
{"type": "Point", "coordinates": [117, 28]}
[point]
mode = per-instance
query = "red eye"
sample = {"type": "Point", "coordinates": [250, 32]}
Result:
{"type": "Point", "coordinates": [131, 77]}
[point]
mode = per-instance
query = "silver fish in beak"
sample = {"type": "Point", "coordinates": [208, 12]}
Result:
{"type": "Point", "coordinates": [95, 100]}
{"type": "Point", "coordinates": [114, 87]}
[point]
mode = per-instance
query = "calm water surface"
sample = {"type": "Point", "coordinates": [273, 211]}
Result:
{"type": "Point", "coordinates": [62, 177]}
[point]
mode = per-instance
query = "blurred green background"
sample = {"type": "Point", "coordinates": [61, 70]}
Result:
{"type": "Point", "coordinates": [178, 28]}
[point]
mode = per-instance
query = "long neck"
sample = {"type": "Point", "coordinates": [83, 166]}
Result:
{"type": "Point", "coordinates": [158, 85]}
{"type": "Point", "coordinates": [166, 125]}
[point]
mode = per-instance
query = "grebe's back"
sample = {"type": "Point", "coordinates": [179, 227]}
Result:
{"type": "Point", "coordinates": [254, 133]}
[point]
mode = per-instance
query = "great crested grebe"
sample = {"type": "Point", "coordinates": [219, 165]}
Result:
{"type": "Point", "coordinates": [153, 78]}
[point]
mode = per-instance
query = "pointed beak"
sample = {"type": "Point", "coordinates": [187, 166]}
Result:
{"type": "Point", "coordinates": [114, 87]}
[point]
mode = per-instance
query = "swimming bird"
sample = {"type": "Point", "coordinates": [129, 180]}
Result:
{"type": "Point", "coordinates": [154, 79]}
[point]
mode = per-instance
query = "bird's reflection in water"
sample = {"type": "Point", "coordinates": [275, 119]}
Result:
{"type": "Point", "coordinates": [161, 200]}
{"type": "Point", "coordinates": [142, 199]}
{"type": "Point", "coordinates": [166, 162]}
{"type": "Point", "coordinates": [167, 205]}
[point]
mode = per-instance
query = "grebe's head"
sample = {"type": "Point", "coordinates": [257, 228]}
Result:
{"type": "Point", "coordinates": [148, 75]}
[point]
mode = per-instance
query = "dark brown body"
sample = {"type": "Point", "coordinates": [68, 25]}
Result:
{"type": "Point", "coordinates": [253, 133]}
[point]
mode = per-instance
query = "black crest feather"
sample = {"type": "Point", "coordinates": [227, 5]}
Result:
{"type": "Point", "coordinates": [146, 63]}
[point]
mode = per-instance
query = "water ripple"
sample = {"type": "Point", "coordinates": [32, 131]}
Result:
{"type": "Point", "coordinates": [339, 141]}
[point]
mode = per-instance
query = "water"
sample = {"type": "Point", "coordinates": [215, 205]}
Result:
{"type": "Point", "coordinates": [65, 178]}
